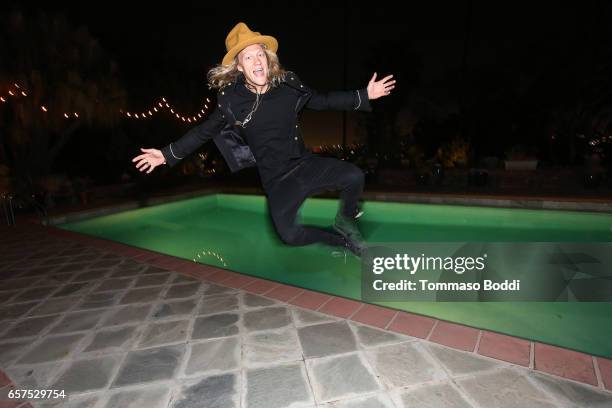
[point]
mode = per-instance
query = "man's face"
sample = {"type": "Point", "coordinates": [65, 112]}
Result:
{"type": "Point", "coordinates": [253, 63]}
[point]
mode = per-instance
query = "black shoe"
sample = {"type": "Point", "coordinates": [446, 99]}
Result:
{"type": "Point", "coordinates": [347, 226]}
{"type": "Point", "coordinates": [356, 247]}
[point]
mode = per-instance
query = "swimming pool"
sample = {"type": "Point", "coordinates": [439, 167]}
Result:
{"type": "Point", "coordinates": [234, 232]}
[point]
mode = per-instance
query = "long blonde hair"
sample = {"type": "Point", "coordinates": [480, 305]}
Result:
{"type": "Point", "coordinates": [221, 75]}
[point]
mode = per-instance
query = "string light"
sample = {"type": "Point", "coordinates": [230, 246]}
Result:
{"type": "Point", "coordinates": [147, 113]}
{"type": "Point", "coordinates": [164, 103]}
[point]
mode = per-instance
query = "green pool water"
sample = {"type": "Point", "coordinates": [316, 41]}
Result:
{"type": "Point", "coordinates": [234, 232]}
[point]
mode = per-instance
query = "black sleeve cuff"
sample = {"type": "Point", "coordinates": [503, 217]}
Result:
{"type": "Point", "coordinates": [362, 103]}
{"type": "Point", "coordinates": [170, 159]}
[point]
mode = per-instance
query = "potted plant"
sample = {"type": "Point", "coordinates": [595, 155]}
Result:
{"type": "Point", "coordinates": [519, 157]}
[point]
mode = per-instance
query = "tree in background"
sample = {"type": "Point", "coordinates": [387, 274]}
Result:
{"type": "Point", "coordinates": [382, 125]}
{"type": "Point", "coordinates": [63, 71]}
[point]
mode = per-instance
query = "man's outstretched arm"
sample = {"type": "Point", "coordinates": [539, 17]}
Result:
{"type": "Point", "coordinates": [352, 100]}
{"type": "Point", "coordinates": [193, 139]}
{"type": "Point", "coordinates": [175, 151]}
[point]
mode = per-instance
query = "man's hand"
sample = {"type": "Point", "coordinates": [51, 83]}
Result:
{"type": "Point", "coordinates": [376, 89]}
{"type": "Point", "coordinates": [150, 159]}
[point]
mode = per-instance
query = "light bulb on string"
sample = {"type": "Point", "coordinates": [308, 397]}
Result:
{"type": "Point", "coordinates": [141, 115]}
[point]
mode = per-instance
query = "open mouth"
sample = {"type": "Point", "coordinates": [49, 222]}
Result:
{"type": "Point", "coordinates": [258, 72]}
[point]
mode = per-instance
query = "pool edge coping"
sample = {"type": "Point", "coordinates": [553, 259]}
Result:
{"type": "Point", "coordinates": [585, 369]}
{"type": "Point", "coordinates": [489, 201]}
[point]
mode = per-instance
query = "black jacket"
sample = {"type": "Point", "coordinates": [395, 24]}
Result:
{"type": "Point", "coordinates": [220, 124]}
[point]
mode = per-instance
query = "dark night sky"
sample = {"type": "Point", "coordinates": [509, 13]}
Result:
{"type": "Point", "coordinates": [166, 49]}
{"type": "Point", "coordinates": [182, 39]}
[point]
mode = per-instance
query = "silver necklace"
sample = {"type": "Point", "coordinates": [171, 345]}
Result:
{"type": "Point", "coordinates": [248, 117]}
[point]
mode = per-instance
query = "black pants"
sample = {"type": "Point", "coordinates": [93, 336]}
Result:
{"type": "Point", "coordinates": [314, 175]}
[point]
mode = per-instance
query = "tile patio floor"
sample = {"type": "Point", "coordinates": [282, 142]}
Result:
{"type": "Point", "coordinates": [115, 330]}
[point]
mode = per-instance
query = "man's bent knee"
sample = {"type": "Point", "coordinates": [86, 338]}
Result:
{"type": "Point", "coordinates": [292, 236]}
{"type": "Point", "coordinates": [354, 175]}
